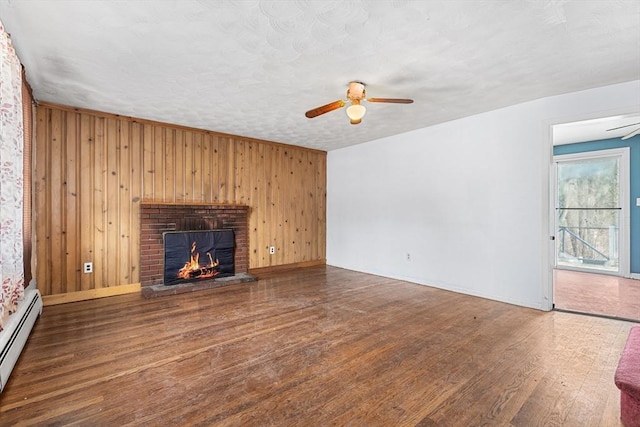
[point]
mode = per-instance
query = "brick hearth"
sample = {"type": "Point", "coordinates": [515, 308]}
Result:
{"type": "Point", "coordinates": [156, 218]}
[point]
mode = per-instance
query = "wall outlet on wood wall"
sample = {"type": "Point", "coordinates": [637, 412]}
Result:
{"type": "Point", "coordinates": [88, 267]}
{"type": "Point", "coordinates": [272, 250]}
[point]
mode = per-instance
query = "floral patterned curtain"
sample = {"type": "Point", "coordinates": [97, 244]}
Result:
{"type": "Point", "coordinates": [11, 181]}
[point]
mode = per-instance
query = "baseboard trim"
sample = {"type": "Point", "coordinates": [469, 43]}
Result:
{"type": "Point", "coordinates": [135, 287]}
{"type": "Point", "coordinates": [90, 294]}
{"type": "Point", "coordinates": [285, 267]}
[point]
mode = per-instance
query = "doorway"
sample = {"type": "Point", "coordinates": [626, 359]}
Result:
{"type": "Point", "coordinates": [591, 214]}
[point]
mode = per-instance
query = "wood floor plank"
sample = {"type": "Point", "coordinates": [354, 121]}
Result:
{"type": "Point", "coordinates": [315, 346]}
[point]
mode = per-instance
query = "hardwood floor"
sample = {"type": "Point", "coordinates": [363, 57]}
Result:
{"type": "Point", "coordinates": [596, 294]}
{"type": "Point", "coordinates": [316, 346]}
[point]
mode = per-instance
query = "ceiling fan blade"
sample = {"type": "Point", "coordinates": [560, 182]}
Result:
{"type": "Point", "coordinates": [325, 109]}
{"type": "Point", "coordinates": [632, 133]}
{"type": "Point", "coordinates": [391, 100]}
{"type": "Point", "coordinates": [625, 126]}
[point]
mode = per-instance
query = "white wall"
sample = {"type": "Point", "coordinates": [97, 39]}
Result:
{"type": "Point", "coordinates": [467, 199]}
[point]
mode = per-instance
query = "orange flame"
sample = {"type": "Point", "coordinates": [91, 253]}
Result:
{"type": "Point", "coordinates": [192, 269]}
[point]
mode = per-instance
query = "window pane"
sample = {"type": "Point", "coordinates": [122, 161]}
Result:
{"type": "Point", "coordinates": [589, 238]}
{"type": "Point", "coordinates": [589, 183]}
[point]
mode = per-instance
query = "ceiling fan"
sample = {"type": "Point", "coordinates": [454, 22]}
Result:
{"type": "Point", "coordinates": [630, 134]}
{"type": "Point", "coordinates": [355, 95]}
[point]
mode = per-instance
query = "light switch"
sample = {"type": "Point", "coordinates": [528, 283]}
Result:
{"type": "Point", "coordinates": [638, 201]}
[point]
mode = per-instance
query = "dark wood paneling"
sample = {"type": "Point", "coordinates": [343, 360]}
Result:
{"type": "Point", "coordinates": [93, 170]}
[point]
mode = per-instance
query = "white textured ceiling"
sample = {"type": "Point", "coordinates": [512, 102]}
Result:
{"type": "Point", "coordinates": [253, 67]}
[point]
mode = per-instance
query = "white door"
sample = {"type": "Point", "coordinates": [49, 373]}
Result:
{"type": "Point", "coordinates": [591, 211]}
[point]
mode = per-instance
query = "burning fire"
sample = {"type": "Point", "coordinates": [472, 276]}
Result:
{"type": "Point", "coordinates": [193, 269]}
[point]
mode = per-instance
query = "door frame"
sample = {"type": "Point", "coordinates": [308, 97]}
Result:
{"type": "Point", "coordinates": [546, 163]}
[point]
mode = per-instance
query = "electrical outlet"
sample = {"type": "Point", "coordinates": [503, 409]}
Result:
{"type": "Point", "coordinates": [408, 256]}
{"type": "Point", "coordinates": [272, 250]}
{"type": "Point", "coordinates": [88, 267]}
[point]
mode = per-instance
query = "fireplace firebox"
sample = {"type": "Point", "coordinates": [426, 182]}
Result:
{"type": "Point", "coordinates": [191, 256]}
{"type": "Point", "coordinates": [157, 218]}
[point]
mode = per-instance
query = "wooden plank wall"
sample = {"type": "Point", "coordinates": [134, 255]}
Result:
{"type": "Point", "coordinates": [92, 170]}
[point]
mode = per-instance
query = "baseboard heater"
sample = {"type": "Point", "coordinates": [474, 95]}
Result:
{"type": "Point", "coordinates": [16, 331]}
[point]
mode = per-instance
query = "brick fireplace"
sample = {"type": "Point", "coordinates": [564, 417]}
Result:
{"type": "Point", "coordinates": [157, 218]}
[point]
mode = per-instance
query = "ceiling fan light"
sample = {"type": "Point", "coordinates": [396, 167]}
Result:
{"type": "Point", "coordinates": [356, 112]}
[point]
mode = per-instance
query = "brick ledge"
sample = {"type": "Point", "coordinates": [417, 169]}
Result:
{"type": "Point", "coordinates": [154, 291]}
